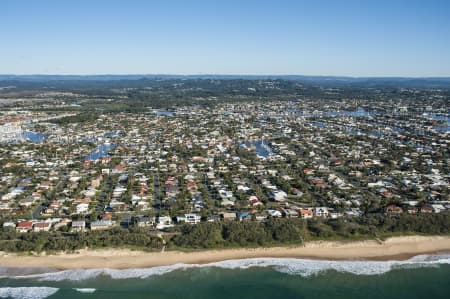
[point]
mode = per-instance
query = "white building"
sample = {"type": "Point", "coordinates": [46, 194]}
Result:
{"type": "Point", "coordinates": [321, 212]}
{"type": "Point", "coordinates": [278, 195]}
{"type": "Point", "coordinates": [274, 213]}
{"type": "Point", "coordinates": [82, 208]}
{"type": "Point", "coordinates": [189, 218]}
{"type": "Point", "coordinates": [164, 222]}
{"type": "Point", "coordinates": [78, 226]}
{"type": "Point", "coordinates": [10, 132]}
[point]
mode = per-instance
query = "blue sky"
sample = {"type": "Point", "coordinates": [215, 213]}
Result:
{"type": "Point", "coordinates": [317, 37]}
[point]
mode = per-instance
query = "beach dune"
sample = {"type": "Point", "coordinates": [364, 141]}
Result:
{"type": "Point", "coordinates": [393, 248]}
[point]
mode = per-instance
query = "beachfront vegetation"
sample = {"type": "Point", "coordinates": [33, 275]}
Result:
{"type": "Point", "coordinates": [284, 231]}
{"type": "Point", "coordinates": [208, 235]}
{"type": "Point", "coordinates": [60, 241]}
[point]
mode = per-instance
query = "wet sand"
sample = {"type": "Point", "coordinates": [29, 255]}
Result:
{"type": "Point", "coordinates": [397, 248]}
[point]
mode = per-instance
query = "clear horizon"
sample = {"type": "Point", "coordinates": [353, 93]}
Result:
{"type": "Point", "coordinates": [383, 38]}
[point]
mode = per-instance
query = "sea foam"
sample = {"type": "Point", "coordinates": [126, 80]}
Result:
{"type": "Point", "coordinates": [292, 266]}
{"type": "Point", "coordinates": [27, 292]}
{"type": "Point", "coordinates": [85, 290]}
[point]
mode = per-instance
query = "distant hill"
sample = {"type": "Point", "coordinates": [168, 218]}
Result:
{"type": "Point", "coordinates": [326, 81]}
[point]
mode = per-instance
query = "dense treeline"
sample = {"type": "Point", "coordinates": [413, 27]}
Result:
{"type": "Point", "coordinates": [232, 233]}
{"type": "Point", "coordinates": [57, 241]}
{"type": "Point", "coordinates": [79, 118]}
{"type": "Point", "coordinates": [209, 235]}
{"type": "Point", "coordinates": [420, 223]}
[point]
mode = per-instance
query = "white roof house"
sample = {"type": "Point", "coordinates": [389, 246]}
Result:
{"type": "Point", "coordinates": [164, 222]}
{"type": "Point", "coordinates": [189, 218]}
{"type": "Point", "coordinates": [82, 208]}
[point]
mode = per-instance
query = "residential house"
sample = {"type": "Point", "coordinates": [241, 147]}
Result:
{"type": "Point", "coordinates": [42, 226]}
{"type": "Point", "coordinates": [164, 222]}
{"type": "Point", "coordinates": [393, 209]}
{"type": "Point", "coordinates": [278, 195]}
{"type": "Point", "coordinates": [228, 216]}
{"type": "Point", "coordinates": [189, 218]}
{"type": "Point", "coordinates": [78, 226]}
{"type": "Point", "coordinates": [82, 208]}
{"type": "Point", "coordinates": [306, 213]}
{"type": "Point", "coordinates": [9, 224]}
{"type": "Point", "coordinates": [24, 226]}
{"type": "Point", "coordinates": [102, 224]}
{"type": "Point", "coordinates": [321, 212]}
{"type": "Point", "coordinates": [275, 213]}
{"type": "Point", "coordinates": [145, 221]}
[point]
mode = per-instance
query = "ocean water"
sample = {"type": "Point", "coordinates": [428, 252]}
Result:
{"type": "Point", "coordinates": [425, 276]}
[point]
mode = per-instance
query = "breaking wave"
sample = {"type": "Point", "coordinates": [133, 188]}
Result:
{"type": "Point", "coordinates": [292, 266]}
{"type": "Point", "coordinates": [85, 290]}
{"type": "Point", "coordinates": [27, 292]}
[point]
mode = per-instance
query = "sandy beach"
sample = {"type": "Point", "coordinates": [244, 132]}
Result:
{"type": "Point", "coordinates": [397, 248]}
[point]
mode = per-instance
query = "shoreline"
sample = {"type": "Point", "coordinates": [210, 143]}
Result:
{"type": "Point", "coordinates": [395, 248]}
